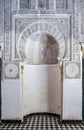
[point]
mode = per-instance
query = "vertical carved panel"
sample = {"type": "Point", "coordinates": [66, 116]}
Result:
{"type": "Point", "coordinates": [33, 4]}
{"type": "Point", "coordinates": [7, 29]}
{"type": "Point", "coordinates": [42, 4]}
{"type": "Point", "coordinates": [60, 4]}
{"type": "Point", "coordinates": [25, 4]}
{"type": "Point", "coordinates": [76, 51]}
{"type": "Point", "coordinates": [64, 4]}
{"type": "Point", "coordinates": [1, 21]}
{"type": "Point", "coordinates": [82, 20]}
{"type": "Point", "coordinates": [70, 4]}
{"type": "Point", "coordinates": [47, 4]}
{"type": "Point", "coordinates": [50, 4]}
{"type": "Point", "coordinates": [14, 5]}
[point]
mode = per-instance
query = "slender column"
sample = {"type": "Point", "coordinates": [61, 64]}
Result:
{"type": "Point", "coordinates": [61, 71]}
{"type": "Point", "coordinates": [22, 71]}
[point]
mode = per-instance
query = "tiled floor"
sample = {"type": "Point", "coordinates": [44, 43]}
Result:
{"type": "Point", "coordinates": [42, 122]}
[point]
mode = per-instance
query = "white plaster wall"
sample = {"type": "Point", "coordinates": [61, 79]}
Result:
{"type": "Point", "coordinates": [41, 89]}
{"type": "Point", "coordinates": [72, 99]}
{"type": "Point", "coordinates": [11, 100]}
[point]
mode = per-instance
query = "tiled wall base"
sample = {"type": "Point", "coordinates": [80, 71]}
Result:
{"type": "Point", "coordinates": [42, 122]}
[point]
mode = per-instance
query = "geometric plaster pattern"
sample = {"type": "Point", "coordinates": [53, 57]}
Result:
{"type": "Point", "coordinates": [1, 22]}
{"type": "Point", "coordinates": [72, 70]}
{"type": "Point", "coordinates": [47, 4]}
{"type": "Point", "coordinates": [18, 28]}
{"type": "Point", "coordinates": [7, 6]}
{"type": "Point", "coordinates": [25, 25]}
{"type": "Point", "coordinates": [11, 70]}
{"type": "Point", "coordinates": [82, 21]}
{"type": "Point", "coordinates": [76, 46]}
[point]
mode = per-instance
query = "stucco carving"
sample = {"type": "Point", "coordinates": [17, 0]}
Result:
{"type": "Point", "coordinates": [46, 4]}
{"type": "Point", "coordinates": [11, 70]}
{"type": "Point", "coordinates": [47, 23]}
{"type": "Point", "coordinates": [81, 11]}
{"type": "Point", "coordinates": [76, 47]}
{"type": "Point", "coordinates": [7, 30]}
{"type": "Point", "coordinates": [24, 18]}
{"type": "Point", "coordinates": [42, 27]}
{"type": "Point", "coordinates": [1, 22]}
{"type": "Point", "coordinates": [72, 70]}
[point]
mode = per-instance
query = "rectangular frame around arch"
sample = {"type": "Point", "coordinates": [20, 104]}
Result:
{"type": "Point", "coordinates": [26, 19]}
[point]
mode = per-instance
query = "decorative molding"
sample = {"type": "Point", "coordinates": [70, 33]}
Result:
{"type": "Point", "coordinates": [46, 5]}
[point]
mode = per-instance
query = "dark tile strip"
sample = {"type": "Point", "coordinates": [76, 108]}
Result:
{"type": "Point", "coordinates": [83, 89]}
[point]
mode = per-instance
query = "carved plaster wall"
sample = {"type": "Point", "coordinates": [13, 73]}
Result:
{"type": "Point", "coordinates": [25, 25]}
{"type": "Point", "coordinates": [81, 20]}
{"type": "Point", "coordinates": [76, 31]}
{"type": "Point", "coordinates": [62, 15]}
{"type": "Point", "coordinates": [1, 22]}
{"type": "Point", "coordinates": [46, 4]}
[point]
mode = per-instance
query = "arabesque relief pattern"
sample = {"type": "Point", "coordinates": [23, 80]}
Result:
{"type": "Point", "coordinates": [66, 17]}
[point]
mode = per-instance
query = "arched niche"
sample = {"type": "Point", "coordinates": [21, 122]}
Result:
{"type": "Point", "coordinates": [41, 27]}
{"type": "Point", "coordinates": [41, 48]}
